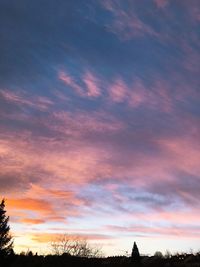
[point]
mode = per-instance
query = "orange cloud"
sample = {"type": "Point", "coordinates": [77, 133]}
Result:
{"type": "Point", "coordinates": [50, 237]}
{"type": "Point", "coordinates": [32, 221]}
{"type": "Point", "coordinates": [20, 210]}
{"type": "Point", "coordinates": [41, 206]}
{"type": "Point", "coordinates": [60, 195]}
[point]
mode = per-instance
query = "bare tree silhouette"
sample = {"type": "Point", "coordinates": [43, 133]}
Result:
{"type": "Point", "coordinates": [74, 246]}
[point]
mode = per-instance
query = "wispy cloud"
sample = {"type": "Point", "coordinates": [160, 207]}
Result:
{"type": "Point", "coordinates": [32, 221]}
{"type": "Point", "coordinates": [126, 24]}
{"type": "Point", "coordinates": [69, 81]}
{"type": "Point", "coordinates": [161, 3]}
{"type": "Point", "coordinates": [22, 99]}
{"type": "Point", "coordinates": [173, 231]}
{"type": "Point", "coordinates": [88, 85]}
{"type": "Point", "coordinates": [118, 91]}
{"type": "Point", "coordinates": [91, 84]}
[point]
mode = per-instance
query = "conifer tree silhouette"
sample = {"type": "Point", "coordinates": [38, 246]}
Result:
{"type": "Point", "coordinates": [135, 255]}
{"type": "Point", "coordinates": [6, 242]}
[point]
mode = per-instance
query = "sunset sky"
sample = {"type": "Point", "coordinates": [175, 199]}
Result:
{"type": "Point", "coordinates": [100, 122]}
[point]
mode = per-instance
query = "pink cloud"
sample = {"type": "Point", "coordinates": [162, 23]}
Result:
{"type": "Point", "coordinates": [69, 81]}
{"type": "Point", "coordinates": [169, 231]}
{"type": "Point", "coordinates": [161, 3]}
{"type": "Point", "coordinates": [184, 153]}
{"type": "Point", "coordinates": [118, 91]}
{"type": "Point", "coordinates": [92, 85]}
{"type": "Point", "coordinates": [21, 98]}
{"type": "Point", "coordinates": [72, 160]}
{"type": "Point", "coordinates": [126, 24]}
{"type": "Point", "coordinates": [162, 98]}
{"type": "Point", "coordinates": [137, 95]}
{"type": "Point", "coordinates": [189, 216]}
{"type": "Point", "coordinates": [165, 217]}
{"type": "Point", "coordinates": [193, 10]}
{"type": "Point", "coordinates": [156, 96]}
{"type": "Point", "coordinates": [91, 88]}
{"type": "Point", "coordinates": [84, 122]}
{"type": "Point", "coordinates": [77, 159]}
{"type": "Point", "coordinates": [191, 56]}
{"type": "Point", "coordinates": [69, 197]}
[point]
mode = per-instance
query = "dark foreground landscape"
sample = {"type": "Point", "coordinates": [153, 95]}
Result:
{"type": "Point", "coordinates": [31, 260]}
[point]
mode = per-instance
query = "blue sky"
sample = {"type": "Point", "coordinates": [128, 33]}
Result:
{"type": "Point", "coordinates": [99, 122]}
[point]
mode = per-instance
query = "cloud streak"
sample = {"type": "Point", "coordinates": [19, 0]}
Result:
{"type": "Point", "coordinates": [126, 24]}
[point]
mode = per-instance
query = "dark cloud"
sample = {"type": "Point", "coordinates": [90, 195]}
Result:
{"type": "Point", "coordinates": [11, 182]}
{"type": "Point", "coordinates": [185, 188]}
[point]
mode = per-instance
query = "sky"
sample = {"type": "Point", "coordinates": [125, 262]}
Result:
{"type": "Point", "coordinates": [100, 122]}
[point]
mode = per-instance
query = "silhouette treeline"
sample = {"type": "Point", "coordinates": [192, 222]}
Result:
{"type": "Point", "coordinates": [65, 259]}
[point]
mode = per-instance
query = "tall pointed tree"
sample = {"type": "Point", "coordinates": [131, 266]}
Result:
{"type": "Point", "coordinates": [135, 255]}
{"type": "Point", "coordinates": [6, 242]}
